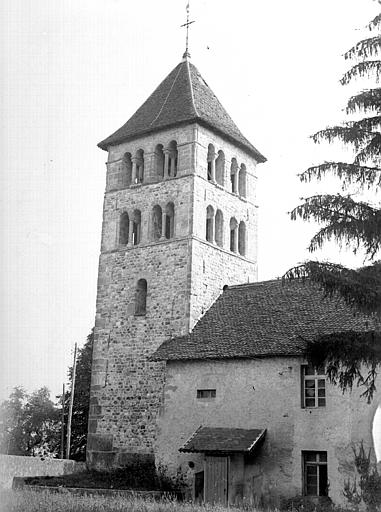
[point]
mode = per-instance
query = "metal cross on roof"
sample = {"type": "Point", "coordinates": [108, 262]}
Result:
{"type": "Point", "coordinates": [187, 54]}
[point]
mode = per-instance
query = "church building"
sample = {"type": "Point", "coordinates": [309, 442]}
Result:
{"type": "Point", "coordinates": [179, 224]}
{"type": "Point", "coordinates": [196, 365]}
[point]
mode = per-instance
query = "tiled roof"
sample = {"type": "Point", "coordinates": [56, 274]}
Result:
{"type": "Point", "coordinates": [263, 319]}
{"type": "Point", "coordinates": [228, 440]}
{"type": "Point", "coordinates": [182, 97]}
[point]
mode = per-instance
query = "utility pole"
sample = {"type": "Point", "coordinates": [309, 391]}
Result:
{"type": "Point", "coordinates": [62, 451]}
{"type": "Point", "coordinates": [68, 436]}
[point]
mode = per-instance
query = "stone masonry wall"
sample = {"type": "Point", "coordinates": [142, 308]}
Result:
{"type": "Point", "coordinates": [184, 275]}
{"type": "Point", "coordinates": [263, 393]}
{"type": "Point", "coordinates": [126, 387]}
{"type": "Point", "coordinates": [213, 267]}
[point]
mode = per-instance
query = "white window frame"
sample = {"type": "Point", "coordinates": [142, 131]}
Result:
{"type": "Point", "coordinates": [318, 377]}
{"type": "Point", "coordinates": [321, 459]}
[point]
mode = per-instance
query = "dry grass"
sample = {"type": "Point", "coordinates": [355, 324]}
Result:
{"type": "Point", "coordinates": [37, 501]}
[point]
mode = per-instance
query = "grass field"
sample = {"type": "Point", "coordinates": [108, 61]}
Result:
{"type": "Point", "coordinates": [26, 500]}
{"type": "Point", "coordinates": [35, 501]}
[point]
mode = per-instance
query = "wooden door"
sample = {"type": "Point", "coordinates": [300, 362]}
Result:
{"type": "Point", "coordinates": [216, 480]}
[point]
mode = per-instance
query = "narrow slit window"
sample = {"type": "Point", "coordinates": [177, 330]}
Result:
{"type": "Point", "coordinates": [141, 298]}
{"type": "Point", "coordinates": [124, 226]}
{"type": "Point", "coordinates": [169, 221]}
{"type": "Point", "coordinates": [206, 393]}
{"type": "Point", "coordinates": [157, 216]}
{"type": "Point", "coordinates": [209, 227]}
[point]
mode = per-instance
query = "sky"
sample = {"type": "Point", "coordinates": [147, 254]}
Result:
{"type": "Point", "coordinates": [74, 71]}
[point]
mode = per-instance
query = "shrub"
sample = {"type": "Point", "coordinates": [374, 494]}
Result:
{"type": "Point", "coordinates": [368, 489]}
{"type": "Point", "coordinates": [309, 504]}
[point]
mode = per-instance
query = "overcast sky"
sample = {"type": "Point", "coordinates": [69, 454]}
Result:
{"type": "Point", "coordinates": [74, 71]}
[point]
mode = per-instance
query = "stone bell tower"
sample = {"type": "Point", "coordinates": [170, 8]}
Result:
{"type": "Point", "coordinates": [179, 223]}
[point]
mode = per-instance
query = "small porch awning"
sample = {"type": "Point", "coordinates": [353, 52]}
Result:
{"type": "Point", "coordinates": [223, 440]}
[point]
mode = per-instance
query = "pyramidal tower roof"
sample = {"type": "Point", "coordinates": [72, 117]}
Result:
{"type": "Point", "coordinates": [182, 97]}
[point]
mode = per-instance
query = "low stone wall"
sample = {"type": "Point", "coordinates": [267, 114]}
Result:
{"type": "Point", "coordinates": [14, 465]}
{"type": "Point", "coordinates": [124, 493]}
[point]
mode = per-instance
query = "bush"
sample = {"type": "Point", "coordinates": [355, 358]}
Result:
{"type": "Point", "coordinates": [309, 504]}
{"type": "Point", "coordinates": [368, 489]}
{"type": "Point", "coordinates": [139, 474]}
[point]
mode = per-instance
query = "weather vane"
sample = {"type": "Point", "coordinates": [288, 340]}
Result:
{"type": "Point", "coordinates": [187, 54]}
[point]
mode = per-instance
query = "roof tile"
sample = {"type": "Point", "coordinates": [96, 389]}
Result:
{"type": "Point", "coordinates": [263, 319]}
{"type": "Point", "coordinates": [182, 97]}
{"type": "Point", "coordinates": [227, 440]}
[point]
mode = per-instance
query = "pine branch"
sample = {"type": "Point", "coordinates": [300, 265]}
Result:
{"type": "Point", "coordinates": [349, 173]}
{"type": "Point", "coordinates": [344, 354]}
{"type": "Point", "coordinates": [375, 23]}
{"type": "Point", "coordinates": [372, 151]}
{"type": "Point", "coordinates": [368, 124]}
{"type": "Point", "coordinates": [348, 221]}
{"type": "Point", "coordinates": [366, 101]}
{"type": "Point", "coordinates": [347, 134]}
{"type": "Point", "coordinates": [360, 289]}
{"type": "Point", "coordinates": [364, 49]}
{"type": "Point", "coordinates": [363, 69]}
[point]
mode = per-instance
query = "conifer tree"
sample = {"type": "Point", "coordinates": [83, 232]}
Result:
{"type": "Point", "coordinates": [81, 399]}
{"type": "Point", "coordinates": [349, 219]}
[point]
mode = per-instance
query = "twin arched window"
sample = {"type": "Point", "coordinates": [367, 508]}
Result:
{"type": "Point", "coordinates": [216, 171]}
{"type": "Point", "coordinates": [214, 226]}
{"type": "Point", "coordinates": [215, 231]}
{"type": "Point", "coordinates": [162, 225]}
{"type": "Point", "coordinates": [237, 237]}
{"type": "Point", "coordinates": [216, 166]}
{"type": "Point", "coordinates": [133, 168]}
{"type": "Point", "coordinates": [166, 160]}
{"type": "Point", "coordinates": [163, 222]}
{"type": "Point", "coordinates": [130, 228]}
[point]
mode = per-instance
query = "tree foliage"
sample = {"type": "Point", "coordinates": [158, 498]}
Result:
{"type": "Point", "coordinates": [29, 423]}
{"type": "Point", "coordinates": [81, 400]}
{"type": "Point", "coordinates": [350, 220]}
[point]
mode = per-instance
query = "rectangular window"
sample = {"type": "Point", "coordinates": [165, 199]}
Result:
{"type": "Point", "coordinates": [206, 393]}
{"type": "Point", "coordinates": [313, 387]}
{"type": "Point", "coordinates": [315, 474]}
